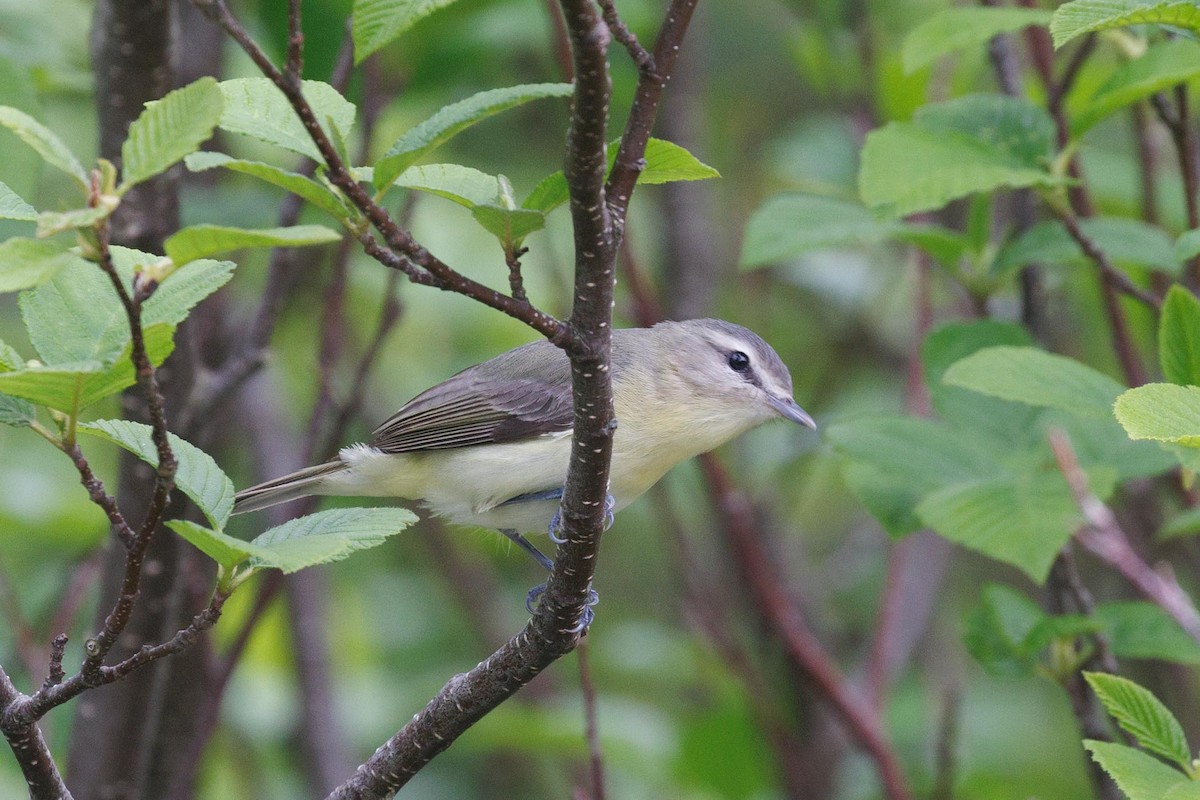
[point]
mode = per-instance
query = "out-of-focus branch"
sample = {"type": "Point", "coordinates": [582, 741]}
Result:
{"type": "Point", "coordinates": [592, 726]}
{"type": "Point", "coordinates": [1178, 122]}
{"type": "Point", "coordinates": [803, 649]}
{"type": "Point", "coordinates": [1103, 537]}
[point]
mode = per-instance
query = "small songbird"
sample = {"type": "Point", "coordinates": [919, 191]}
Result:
{"type": "Point", "coordinates": [490, 446]}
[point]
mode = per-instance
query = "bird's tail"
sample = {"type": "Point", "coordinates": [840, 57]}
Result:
{"type": "Point", "coordinates": [297, 484]}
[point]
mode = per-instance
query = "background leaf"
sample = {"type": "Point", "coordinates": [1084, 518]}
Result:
{"type": "Point", "coordinates": [1143, 715]}
{"type": "Point", "coordinates": [197, 476]}
{"type": "Point", "coordinates": [376, 23]}
{"type": "Point", "coordinates": [306, 188]}
{"type": "Point", "coordinates": [1033, 376]}
{"type": "Point", "coordinates": [1162, 66]}
{"type": "Point", "coordinates": [961, 29]}
{"type": "Point", "coordinates": [1179, 337]}
{"type": "Point", "coordinates": [1137, 629]}
{"type": "Point", "coordinates": [169, 129]}
{"type": "Point", "coordinates": [13, 207]}
{"type": "Point", "coordinates": [45, 142]}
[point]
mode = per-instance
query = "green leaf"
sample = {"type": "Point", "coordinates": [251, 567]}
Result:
{"type": "Point", "coordinates": [1143, 715]}
{"type": "Point", "coordinates": [1084, 16]}
{"type": "Point", "coordinates": [1189, 790]}
{"type": "Point", "coordinates": [50, 223]}
{"type": "Point", "coordinates": [1185, 523]}
{"type": "Point", "coordinates": [509, 225]}
{"type": "Point", "coordinates": [299, 185]}
{"type": "Point", "coordinates": [789, 225]}
{"type": "Point", "coordinates": [1161, 411]}
{"type": "Point", "coordinates": [1187, 246]}
{"type": "Point", "coordinates": [69, 387]}
{"type": "Point", "coordinates": [464, 185]}
{"type": "Point", "coordinates": [1161, 67]}
{"type": "Point", "coordinates": [13, 207]}
{"type": "Point", "coordinates": [25, 263]}
{"type": "Point", "coordinates": [45, 142]}
{"type": "Point", "coordinates": [963, 29]}
{"type": "Point", "coordinates": [1137, 629]}
{"type": "Point", "coordinates": [197, 476]}
{"type": "Point", "coordinates": [255, 107]}
{"type": "Point", "coordinates": [950, 150]}
{"type": "Point", "coordinates": [77, 316]}
{"type": "Point", "coordinates": [1179, 337]}
{"type": "Point", "coordinates": [198, 241]}
{"type": "Point", "coordinates": [1023, 520]}
{"type": "Point", "coordinates": [666, 162]}
{"type": "Point", "coordinates": [220, 547]}
{"type": "Point", "coordinates": [998, 629]}
{"type": "Point", "coordinates": [327, 536]}
{"type": "Point", "coordinates": [452, 120]}
{"type": "Point", "coordinates": [1037, 378]}
{"type": "Point", "coordinates": [1139, 776]}
{"type": "Point", "coordinates": [376, 23]}
{"type": "Point", "coordinates": [1125, 241]}
{"type": "Point", "coordinates": [169, 129]}
{"type": "Point", "coordinates": [13, 410]}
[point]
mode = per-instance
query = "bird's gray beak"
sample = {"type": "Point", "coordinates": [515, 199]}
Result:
{"type": "Point", "coordinates": [788, 409]}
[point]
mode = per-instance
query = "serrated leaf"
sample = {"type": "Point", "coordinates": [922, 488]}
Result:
{"type": "Point", "coordinates": [666, 162]}
{"type": "Point", "coordinates": [376, 23]}
{"type": "Point", "coordinates": [13, 207]}
{"type": "Point", "coordinates": [1139, 776]}
{"type": "Point", "coordinates": [52, 149]}
{"type": "Point", "coordinates": [509, 225]}
{"type": "Point", "coordinates": [452, 120]}
{"type": "Point", "coordinates": [16, 412]}
{"type": "Point", "coordinates": [255, 107]}
{"type": "Point", "coordinates": [327, 536]}
{"type": "Point", "coordinates": [68, 387]}
{"type": "Point", "coordinates": [1137, 629]}
{"type": "Point", "coordinates": [1160, 67]}
{"type": "Point", "coordinates": [1037, 378]}
{"type": "Point", "coordinates": [299, 185]}
{"type": "Point", "coordinates": [220, 547]}
{"type": "Point", "coordinates": [169, 129]}
{"type": "Point", "coordinates": [1023, 520]}
{"type": "Point", "coordinates": [1124, 240]}
{"type": "Point", "coordinates": [197, 475]}
{"type": "Point", "coordinates": [78, 317]}
{"type": "Point", "coordinates": [25, 263]}
{"type": "Point", "coordinates": [1163, 412]}
{"type": "Point", "coordinates": [1143, 715]}
{"type": "Point", "coordinates": [963, 29]}
{"type": "Point", "coordinates": [950, 150]}
{"type": "Point", "coordinates": [1179, 337]}
{"type": "Point", "coordinates": [50, 223]}
{"type": "Point", "coordinates": [198, 241]}
{"type": "Point", "coordinates": [1084, 16]}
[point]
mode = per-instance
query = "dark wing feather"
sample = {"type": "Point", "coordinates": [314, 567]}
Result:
{"type": "Point", "coordinates": [521, 394]}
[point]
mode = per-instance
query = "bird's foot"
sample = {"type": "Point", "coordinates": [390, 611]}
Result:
{"type": "Point", "coordinates": [535, 595]}
{"type": "Point", "coordinates": [556, 525]}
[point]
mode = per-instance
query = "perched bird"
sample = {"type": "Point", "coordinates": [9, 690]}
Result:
{"type": "Point", "coordinates": [490, 446]}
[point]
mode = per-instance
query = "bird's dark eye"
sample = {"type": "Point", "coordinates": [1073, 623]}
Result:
{"type": "Point", "coordinates": [739, 361]}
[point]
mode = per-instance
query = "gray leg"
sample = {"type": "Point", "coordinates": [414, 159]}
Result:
{"type": "Point", "coordinates": [528, 547]}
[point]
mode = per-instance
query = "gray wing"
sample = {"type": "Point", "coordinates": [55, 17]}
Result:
{"type": "Point", "coordinates": [521, 394]}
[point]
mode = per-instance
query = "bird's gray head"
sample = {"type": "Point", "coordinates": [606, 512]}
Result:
{"type": "Point", "coordinates": [734, 367]}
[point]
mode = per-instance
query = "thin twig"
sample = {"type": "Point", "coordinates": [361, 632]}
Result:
{"type": "Point", "coordinates": [640, 55]}
{"type": "Point", "coordinates": [1103, 537]}
{"type": "Point", "coordinates": [294, 66]}
{"type": "Point", "coordinates": [591, 724]}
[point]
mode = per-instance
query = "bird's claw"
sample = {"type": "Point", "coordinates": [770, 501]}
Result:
{"type": "Point", "coordinates": [610, 503]}
{"type": "Point", "coordinates": [535, 595]}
